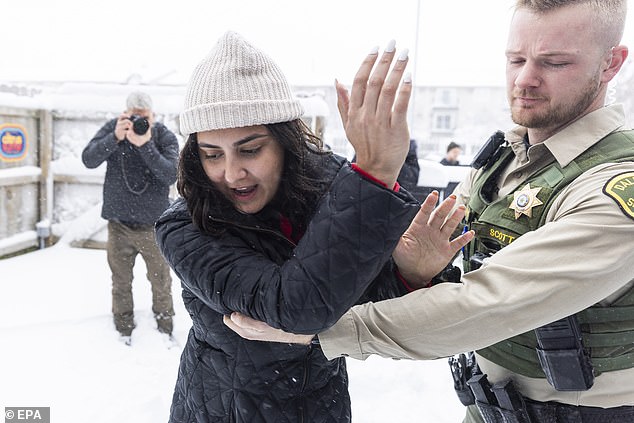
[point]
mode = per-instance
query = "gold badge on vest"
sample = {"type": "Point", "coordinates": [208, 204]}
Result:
{"type": "Point", "coordinates": [524, 200]}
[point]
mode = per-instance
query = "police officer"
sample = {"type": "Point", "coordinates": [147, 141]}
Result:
{"type": "Point", "coordinates": [547, 300]}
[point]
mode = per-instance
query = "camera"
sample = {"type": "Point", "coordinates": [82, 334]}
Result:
{"type": "Point", "coordinates": [140, 125]}
{"type": "Point", "coordinates": [489, 152]}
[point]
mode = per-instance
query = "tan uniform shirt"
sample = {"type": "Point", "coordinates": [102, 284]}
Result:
{"type": "Point", "coordinates": [583, 255]}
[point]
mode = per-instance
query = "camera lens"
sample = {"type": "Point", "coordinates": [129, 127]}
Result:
{"type": "Point", "coordinates": [140, 125]}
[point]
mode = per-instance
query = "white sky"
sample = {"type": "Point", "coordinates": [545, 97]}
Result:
{"type": "Point", "coordinates": [460, 41]}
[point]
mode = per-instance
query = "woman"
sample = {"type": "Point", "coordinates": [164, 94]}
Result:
{"type": "Point", "coordinates": [272, 226]}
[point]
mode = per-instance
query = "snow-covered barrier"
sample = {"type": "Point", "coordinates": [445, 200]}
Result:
{"type": "Point", "coordinates": [45, 190]}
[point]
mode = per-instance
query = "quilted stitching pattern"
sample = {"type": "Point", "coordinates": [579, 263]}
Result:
{"type": "Point", "coordinates": [223, 378]}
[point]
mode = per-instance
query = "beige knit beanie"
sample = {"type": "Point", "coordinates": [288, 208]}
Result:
{"type": "Point", "coordinates": [236, 85]}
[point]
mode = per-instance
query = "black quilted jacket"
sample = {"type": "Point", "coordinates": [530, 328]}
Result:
{"type": "Point", "coordinates": [343, 258]}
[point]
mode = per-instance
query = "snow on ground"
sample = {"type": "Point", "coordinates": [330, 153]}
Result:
{"type": "Point", "coordinates": [60, 349]}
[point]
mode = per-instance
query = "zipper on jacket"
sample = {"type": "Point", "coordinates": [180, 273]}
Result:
{"type": "Point", "coordinates": [305, 381]}
{"type": "Point", "coordinates": [257, 229]}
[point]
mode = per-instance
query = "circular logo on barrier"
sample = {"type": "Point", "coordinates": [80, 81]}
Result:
{"type": "Point", "coordinates": [13, 142]}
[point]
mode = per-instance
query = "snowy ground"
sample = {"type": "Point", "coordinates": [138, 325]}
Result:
{"type": "Point", "coordinates": [60, 349]}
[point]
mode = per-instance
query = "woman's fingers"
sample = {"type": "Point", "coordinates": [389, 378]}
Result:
{"type": "Point", "coordinates": [453, 221]}
{"type": "Point", "coordinates": [375, 84]}
{"type": "Point", "coordinates": [461, 241]}
{"type": "Point", "coordinates": [343, 101]}
{"type": "Point", "coordinates": [373, 88]}
{"type": "Point", "coordinates": [360, 82]}
{"type": "Point", "coordinates": [401, 105]}
{"type": "Point", "coordinates": [380, 140]}
{"type": "Point", "coordinates": [386, 101]}
{"type": "Point", "coordinates": [427, 208]}
{"type": "Point", "coordinates": [439, 215]}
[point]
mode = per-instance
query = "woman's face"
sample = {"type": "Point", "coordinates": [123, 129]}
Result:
{"type": "Point", "coordinates": [245, 164]}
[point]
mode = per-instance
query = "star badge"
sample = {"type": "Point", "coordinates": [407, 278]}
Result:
{"type": "Point", "coordinates": [524, 200]}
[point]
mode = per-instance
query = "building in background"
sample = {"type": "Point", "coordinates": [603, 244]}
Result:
{"type": "Point", "coordinates": [47, 124]}
{"type": "Point", "coordinates": [466, 115]}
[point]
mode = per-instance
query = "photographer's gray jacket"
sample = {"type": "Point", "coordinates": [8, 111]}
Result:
{"type": "Point", "coordinates": [137, 182]}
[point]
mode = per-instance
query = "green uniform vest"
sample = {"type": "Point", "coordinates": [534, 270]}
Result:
{"type": "Point", "coordinates": [608, 332]}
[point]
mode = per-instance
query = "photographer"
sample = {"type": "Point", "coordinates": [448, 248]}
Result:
{"type": "Point", "coordinates": [141, 157]}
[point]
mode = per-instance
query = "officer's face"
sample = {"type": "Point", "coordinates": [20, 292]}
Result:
{"type": "Point", "coordinates": [554, 67]}
{"type": "Point", "coordinates": [245, 164]}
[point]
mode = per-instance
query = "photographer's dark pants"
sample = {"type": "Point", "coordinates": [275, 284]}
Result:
{"type": "Point", "coordinates": [125, 242]}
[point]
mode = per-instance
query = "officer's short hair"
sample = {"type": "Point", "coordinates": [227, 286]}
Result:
{"type": "Point", "coordinates": [139, 100]}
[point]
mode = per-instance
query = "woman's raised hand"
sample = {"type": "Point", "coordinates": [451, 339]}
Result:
{"type": "Point", "coordinates": [426, 246]}
{"type": "Point", "coordinates": [374, 114]}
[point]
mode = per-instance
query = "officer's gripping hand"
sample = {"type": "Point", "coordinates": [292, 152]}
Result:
{"type": "Point", "coordinates": [256, 330]}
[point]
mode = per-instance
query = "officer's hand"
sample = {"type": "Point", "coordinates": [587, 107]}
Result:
{"type": "Point", "coordinates": [255, 330]}
{"type": "Point", "coordinates": [425, 248]}
{"type": "Point", "coordinates": [375, 118]}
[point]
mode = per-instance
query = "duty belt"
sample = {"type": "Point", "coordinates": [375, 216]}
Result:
{"type": "Point", "coordinates": [502, 403]}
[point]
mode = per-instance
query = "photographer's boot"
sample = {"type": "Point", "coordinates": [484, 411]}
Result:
{"type": "Point", "coordinates": [164, 324]}
{"type": "Point", "coordinates": [124, 325]}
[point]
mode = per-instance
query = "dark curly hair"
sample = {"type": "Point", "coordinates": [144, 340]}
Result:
{"type": "Point", "coordinates": [299, 190]}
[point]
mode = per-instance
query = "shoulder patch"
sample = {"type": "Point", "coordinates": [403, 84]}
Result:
{"type": "Point", "coordinates": [621, 189]}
